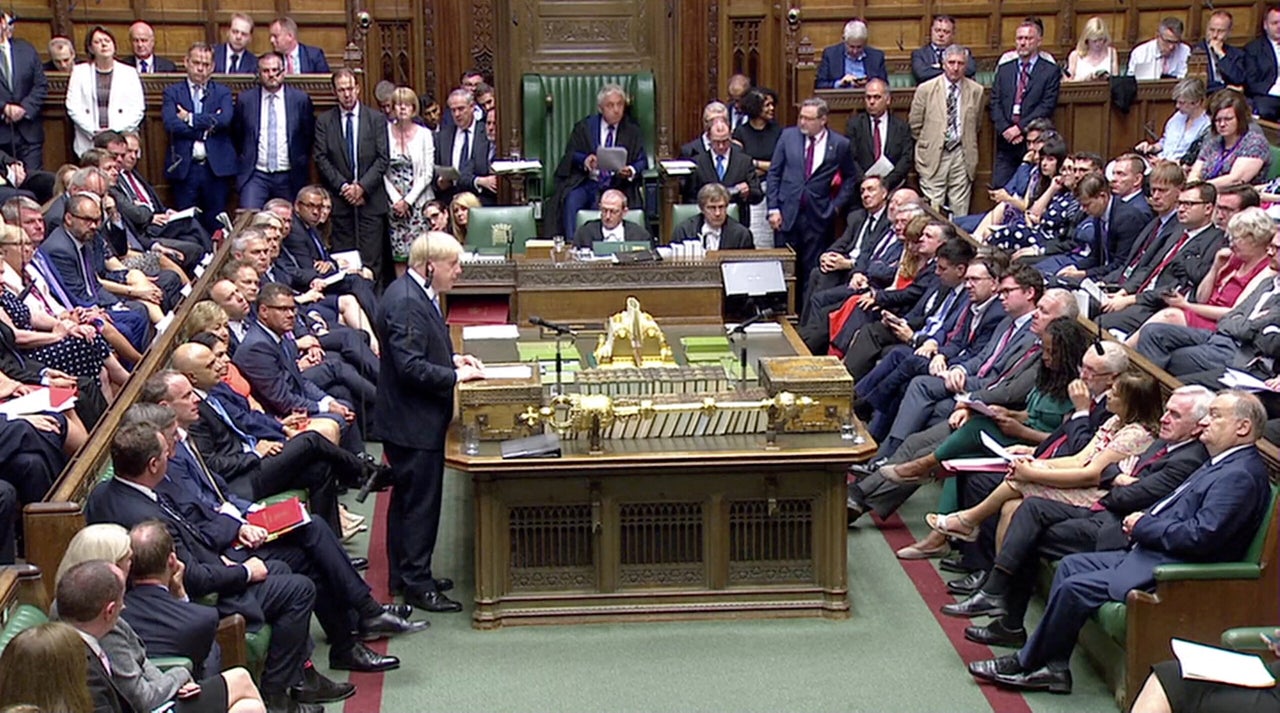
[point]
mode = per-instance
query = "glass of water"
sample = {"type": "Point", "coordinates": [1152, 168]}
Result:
{"type": "Point", "coordinates": [471, 439]}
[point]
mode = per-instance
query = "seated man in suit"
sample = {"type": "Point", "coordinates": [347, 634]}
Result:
{"type": "Point", "coordinates": [1113, 226]}
{"type": "Point", "coordinates": [580, 182]}
{"type": "Point", "coordinates": [463, 145]}
{"type": "Point", "coordinates": [851, 63]}
{"type": "Point", "coordinates": [702, 144]}
{"type": "Point", "coordinates": [309, 262]}
{"type": "Point", "coordinates": [1212, 517]}
{"type": "Point", "coordinates": [62, 55]}
{"type": "Point", "coordinates": [725, 164]}
{"type": "Point", "coordinates": [864, 237]}
{"type": "Point", "coordinates": [876, 134]}
{"type": "Point", "coordinates": [143, 39]}
{"type": "Point", "coordinates": [1225, 63]}
{"type": "Point", "coordinates": [610, 227]}
{"type": "Point", "coordinates": [234, 56]}
{"type": "Point", "coordinates": [1123, 218]}
{"type": "Point", "coordinates": [712, 226]}
{"type": "Point", "coordinates": [926, 62]}
{"type": "Point", "coordinates": [298, 58]}
{"type": "Point", "coordinates": [1046, 528]}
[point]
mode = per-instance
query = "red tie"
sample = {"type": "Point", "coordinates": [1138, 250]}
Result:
{"type": "Point", "coordinates": [1053, 447]}
{"type": "Point", "coordinates": [808, 157]}
{"type": "Point", "coordinates": [1168, 258]}
{"type": "Point", "coordinates": [138, 190]}
{"type": "Point", "coordinates": [1024, 76]}
{"type": "Point", "coordinates": [875, 137]}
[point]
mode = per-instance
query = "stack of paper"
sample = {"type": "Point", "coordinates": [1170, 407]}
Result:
{"type": "Point", "coordinates": [1209, 663]}
{"type": "Point", "coordinates": [1236, 379]}
{"type": "Point", "coordinates": [490, 331]}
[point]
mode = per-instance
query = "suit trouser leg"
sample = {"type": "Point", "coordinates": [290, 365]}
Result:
{"type": "Point", "coordinates": [287, 601]}
{"type": "Point", "coordinates": [816, 332]}
{"type": "Point", "coordinates": [352, 346]}
{"type": "Point", "coordinates": [300, 464]}
{"type": "Point", "coordinates": [920, 443]}
{"type": "Point", "coordinates": [1039, 528]}
{"type": "Point", "coordinates": [584, 196]}
{"type": "Point", "coordinates": [819, 281]}
{"type": "Point", "coordinates": [868, 344]}
{"type": "Point", "coordinates": [884, 496]}
{"type": "Point", "coordinates": [1157, 342]}
{"type": "Point", "coordinates": [9, 509]}
{"type": "Point", "coordinates": [1079, 588]}
{"type": "Point", "coordinates": [414, 519]}
{"type": "Point", "coordinates": [959, 182]}
{"type": "Point", "coordinates": [31, 154]}
{"type": "Point", "coordinates": [1008, 157]}
{"type": "Point", "coordinates": [1126, 320]}
{"type": "Point", "coordinates": [933, 185]}
{"type": "Point", "coordinates": [921, 394]}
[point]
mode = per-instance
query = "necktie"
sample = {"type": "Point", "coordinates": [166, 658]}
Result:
{"type": "Point", "coordinates": [290, 67]}
{"type": "Point", "coordinates": [273, 144]}
{"type": "Point", "coordinates": [6, 70]}
{"type": "Point", "coordinates": [351, 141]}
{"type": "Point", "coordinates": [1033, 353]}
{"type": "Point", "coordinates": [1024, 75]}
{"type": "Point", "coordinates": [937, 56]}
{"type": "Point", "coordinates": [90, 277]}
{"type": "Point", "coordinates": [808, 157]}
{"type": "Point", "coordinates": [170, 508]}
{"type": "Point", "coordinates": [609, 137]}
{"type": "Point", "coordinates": [1053, 447]}
{"type": "Point", "coordinates": [435, 302]}
{"type": "Point", "coordinates": [192, 455]}
{"type": "Point", "coordinates": [321, 253]}
{"type": "Point", "coordinates": [465, 154]}
{"type": "Point", "coordinates": [934, 323]}
{"type": "Point", "coordinates": [720, 166]}
{"type": "Point", "coordinates": [140, 194]}
{"type": "Point", "coordinates": [881, 247]}
{"type": "Point", "coordinates": [234, 64]}
{"type": "Point", "coordinates": [219, 409]}
{"type": "Point", "coordinates": [142, 66]}
{"type": "Point", "coordinates": [953, 118]}
{"type": "Point", "coordinates": [995, 354]}
{"type": "Point", "coordinates": [55, 286]}
{"type": "Point", "coordinates": [875, 138]}
{"type": "Point", "coordinates": [197, 100]}
{"type": "Point", "coordinates": [1168, 258]}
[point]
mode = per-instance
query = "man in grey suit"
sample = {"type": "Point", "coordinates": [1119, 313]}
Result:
{"type": "Point", "coordinates": [351, 154]}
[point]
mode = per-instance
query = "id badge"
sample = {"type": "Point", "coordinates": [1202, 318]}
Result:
{"type": "Point", "coordinates": [1017, 108]}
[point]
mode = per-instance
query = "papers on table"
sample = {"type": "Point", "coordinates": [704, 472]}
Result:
{"type": "Point", "coordinates": [882, 167]}
{"type": "Point", "coordinates": [519, 371]}
{"type": "Point", "coordinates": [757, 328]}
{"type": "Point", "coordinates": [529, 165]}
{"type": "Point", "coordinates": [611, 158]}
{"type": "Point", "coordinates": [1236, 379]}
{"type": "Point", "coordinates": [347, 260]}
{"type": "Point", "coordinates": [42, 400]}
{"type": "Point", "coordinates": [490, 331]}
{"type": "Point", "coordinates": [678, 166]}
{"type": "Point", "coordinates": [1209, 663]}
{"type": "Point", "coordinates": [994, 446]}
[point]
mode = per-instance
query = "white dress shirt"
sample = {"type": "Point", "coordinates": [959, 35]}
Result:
{"type": "Point", "coordinates": [1149, 53]}
{"type": "Point", "coordinates": [282, 131]}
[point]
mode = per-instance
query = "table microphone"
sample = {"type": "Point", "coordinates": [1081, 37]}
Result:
{"type": "Point", "coordinates": [769, 313]}
{"type": "Point", "coordinates": [557, 328]}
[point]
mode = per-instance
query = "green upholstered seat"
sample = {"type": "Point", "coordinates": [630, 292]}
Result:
{"type": "Point", "coordinates": [1273, 170]}
{"type": "Point", "coordinates": [1112, 617]}
{"type": "Point", "coordinates": [680, 212]}
{"type": "Point", "coordinates": [986, 78]}
{"type": "Point", "coordinates": [255, 645]}
{"type": "Point", "coordinates": [552, 104]}
{"type": "Point", "coordinates": [480, 222]}
{"type": "Point", "coordinates": [1247, 638]}
{"type": "Point", "coordinates": [901, 81]}
{"type": "Point", "coordinates": [631, 216]}
{"type": "Point", "coordinates": [164, 663]}
{"type": "Point", "coordinates": [23, 617]}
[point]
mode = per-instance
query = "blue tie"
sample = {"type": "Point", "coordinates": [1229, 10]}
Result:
{"type": "Point", "coordinates": [197, 100]}
{"type": "Point", "coordinates": [217, 406]}
{"type": "Point", "coordinates": [351, 140]}
{"type": "Point", "coordinates": [935, 320]}
{"type": "Point", "coordinates": [273, 145]}
{"type": "Point", "coordinates": [315, 238]}
{"type": "Point", "coordinates": [720, 166]}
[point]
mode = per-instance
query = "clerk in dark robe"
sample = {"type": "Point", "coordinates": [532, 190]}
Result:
{"type": "Point", "coordinates": [712, 226]}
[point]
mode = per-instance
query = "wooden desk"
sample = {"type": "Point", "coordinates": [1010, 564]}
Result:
{"type": "Point", "coordinates": [663, 528]}
{"type": "Point", "coordinates": [690, 290]}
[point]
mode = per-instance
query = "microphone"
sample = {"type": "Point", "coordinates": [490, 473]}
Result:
{"type": "Point", "coordinates": [769, 313]}
{"type": "Point", "coordinates": [1097, 341]}
{"type": "Point", "coordinates": [557, 328]}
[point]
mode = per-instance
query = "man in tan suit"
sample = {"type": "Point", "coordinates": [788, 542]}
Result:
{"type": "Point", "coordinates": [944, 121]}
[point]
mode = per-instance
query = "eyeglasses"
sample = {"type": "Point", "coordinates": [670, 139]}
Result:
{"type": "Point", "coordinates": [24, 243]}
{"type": "Point", "coordinates": [1188, 204]}
{"type": "Point", "coordinates": [1007, 290]}
{"type": "Point", "coordinates": [282, 308]}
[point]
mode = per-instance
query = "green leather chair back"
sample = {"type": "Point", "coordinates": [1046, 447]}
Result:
{"type": "Point", "coordinates": [631, 216]}
{"type": "Point", "coordinates": [901, 81]}
{"type": "Point", "coordinates": [552, 104]}
{"type": "Point", "coordinates": [21, 618]}
{"type": "Point", "coordinates": [1253, 555]}
{"type": "Point", "coordinates": [680, 212]}
{"type": "Point", "coordinates": [1273, 170]}
{"type": "Point", "coordinates": [480, 222]}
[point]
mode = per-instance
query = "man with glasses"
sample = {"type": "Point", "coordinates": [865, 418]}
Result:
{"type": "Point", "coordinates": [306, 258]}
{"type": "Point", "coordinates": [274, 127]}
{"type": "Point", "coordinates": [1164, 57]}
{"type": "Point", "coordinates": [1232, 200]}
{"type": "Point", "coordinates": [610, 226]}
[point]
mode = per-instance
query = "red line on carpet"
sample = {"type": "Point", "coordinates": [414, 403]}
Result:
{"type": "Point", "coordinates": [934, 593]}
{"type": "Point", "coordinates": [368, 696]}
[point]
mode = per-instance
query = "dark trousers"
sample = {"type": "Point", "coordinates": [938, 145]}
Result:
{"type": "Point", "coordinates": [1266, 106]}
{"type": "Point", "coordinates": [1080, 587]}
{"type": "Point", "coordinates": [1007, 159]}
{"type": "Point", "coordinates": [818, 282]}
{"type": "Point", "coordinates": [819, 303]}
{"type": "Point", "coordinates": [1186, 350]}
{"type": "Point", "coordinates": [9, 508]}
{"type": "Point", "coordinates": [973, 489]}
{"type": "Point", "coordinates": [306, 462]}
{"type": "Point", "coordinates": [132, 321]}
{"type": "Point", "coordinates": [584, 196]}
{"type": "Point", "coordinates": [205, 191]}
{"type": "Point", "coordinates": [286, 601]}
{"type": "Point", "coordinates": [343, 381]}
{"type": "Point", "coordinates": [353, 346]}
{"type": "Point", "coordinates": [413, 520]}
{"type": "Point", "coordinates": [883, 387]}
{"type": "Point", "coordinates": [868, 346]}
{"type": "Point", "coordinates": [359, 288]}
{"type": "Point", "coordinates": [808, 237]}
{"type": "Point", "coordinates": [362, 230]}
{"type": "Point", "coordinates": [262, 187]}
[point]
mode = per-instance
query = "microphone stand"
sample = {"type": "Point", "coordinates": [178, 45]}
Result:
{"type": "Point", "coordinates": [559, 366]}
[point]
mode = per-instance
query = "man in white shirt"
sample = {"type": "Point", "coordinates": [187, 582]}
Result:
{"type": "Point", "coordinates": [1164, 57]}
{"type": "Point", "coordinates": [610, 227]}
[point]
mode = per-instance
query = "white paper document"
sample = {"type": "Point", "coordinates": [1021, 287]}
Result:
{"type": "Point", "coordinates": [348, 260]}
{"type": "Point", "coordinates": [1236, 379]}
{"type": "Point", "coordinates": [519, 371]}
{"type": "Point", "coordinates": [611, 158]}
{"type": "Point", "coordinates": [882, 167]}
{"type": "Point", "coordinates": [678, 166]}
{"type": "Point", "coordinates": [994, 446]}
{"type": "Point", "coordinates": [38, 401]}
{"type": "Point", "coordinates": [975, 465]}
{"type": "Point", "coordinates": [490, 331]}
{"type": "Point", "coordinates": [183, 214]}
{"type": "Point", "coordinates": [526, 166]}
{"type": "Point", "coordinates": [1209, 663]}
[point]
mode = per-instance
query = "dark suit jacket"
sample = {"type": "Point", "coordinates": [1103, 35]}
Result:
{"type": "Point", "coordinates": [1155, 481]}
{"type": "Point", "coordinates": [274, 377]}
{"type": "Point", "coordinates": [1143, 245]}
{"type": "Point", "coordinates": [168, 626]}
{"type": "Point", "coordinates": [63, 252]}
{"type": "Point", "coordinates": [899, 146]}
{"type": "Point", "coordinates": [1230, 68]}
{"type": "Point", "coordinates": [415, 385]}
{"type": "Point", "coordinates": [592, 232]}
{"type": "Point", "coordinates": [248, 60]}
{"type": "Point", "coordinates": [1076, 431]}
{"type": "Point", "coordinates": [900, 301]}
{"type": "Point", "coordinates": [106, 696]}
{"type": "Point", "coordinates": [1125, 222]}
{"type": "Point", "coordinates": [786, 180]}
{"type": "Point", "coordinates": [967, 341]}
{"type": "Point", "coordinates": [1186, 269]}
{"type": "Point", "coordinates": [304, 248]}
{"type": "Point", "coordinates": [583, 142]}
{"type": "Point", "coordinates": [739, 168]}
{"type": "Point", "coordinates": [311, 60]}
{"type": "Point", "coordinates": [300, 115]}
{"type": "Point", "coordinates": [832, 67]}
{"type": "Point", "coordinates": [220, 446]}
{"type": "Point", "coordinates": [733, 235]}
{"type": "Point", "coordinates": [158, 64]}
{"type": "Point", "coordinates": [883, 272]}
{"type": "Point", "coordinates": [930, 302]}
{"type": "Point", "coordinates": [1020, 342]}
{"type": "Point", "coordinates": [372, 156]}
{"type": "Point", "coordinates": [476, 167]}
{"type": "Point", "coordinates": [212, 126]}
{"type": "Point", "coordinates": [694, 148]}
{"type": "Point", "coordinates": [925, 64]}
{"type": "Point", "coordinates": [1039, 100]}
{"type": "Point", "coordinates": [29, 91]}
{"type": "Point", "coordinates": [1259, 66]}
{"type": "Point", "coordinates": [255, 423]}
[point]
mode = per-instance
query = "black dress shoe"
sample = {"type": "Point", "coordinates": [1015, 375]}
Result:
{"type": "Point", "coordinates": [988, 669]}
{"type": "Point", "coordinates": [996, 634]}
{"type": "Point", "coordinates": [432, 601]}
{"type": "Point", "coordinates": [978, 604]}
{"type": "Point", "coordinates": [968, 584]}
{"type": "Point", "coordinates": [1041, 679]}
{"type": "Point", "coordinates": [955, 564]}
{"type": "Point", "coordinates": [386, 624]}
{"type": "Point", "coordinates": [360, 564]}
{"type": "Point", "coordinates": [404, 611]}
{"type": "Point", "coordinates": [444, 584]}
{"type": "Point", "coordinates": [864, 470]}
{"type": "Point", "coordinates": [316, 688]}
{"type": "Point", "coordinates": [361, 658]}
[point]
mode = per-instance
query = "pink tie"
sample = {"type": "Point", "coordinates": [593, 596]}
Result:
{"type": "Point", "coordinates": [808, 157]}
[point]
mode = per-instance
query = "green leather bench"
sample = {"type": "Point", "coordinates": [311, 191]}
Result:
{"type": "Point", "coordinates": [25, 616]}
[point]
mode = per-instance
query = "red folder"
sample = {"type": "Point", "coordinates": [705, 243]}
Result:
{"type": "Point", "coordinates": [280, 518]}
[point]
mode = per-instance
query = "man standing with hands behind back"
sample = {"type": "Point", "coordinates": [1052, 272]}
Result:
{"type": "Point", "coordinates": [415, 405]}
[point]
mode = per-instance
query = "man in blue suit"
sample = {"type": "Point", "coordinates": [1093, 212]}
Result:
{"type": "Point", "coordinates": [202, 159]}
{"type": "Point", "coordinates": [806, 161]}
{"type": "Point", "coordinates": [274, 127]}
{"type": "Point", "coordinates": [851, 63]}
{"type": "Point", "coordinates": [1260, 66]}
{"type": "Point", "coordinates": [1225, 63]}
{"type": "Point", "coordinates": [1024, 89]}
{"type": "Point", "coordinates": [22, 92]}
{"type": "Point", "coordinates": [298, 58]}
{"type": "Point", "coordinates": [1211, 517]}
{"type": "Point", "coordinates": [415, 405]}
{"type": "Point", "coordinates": [233, 56]}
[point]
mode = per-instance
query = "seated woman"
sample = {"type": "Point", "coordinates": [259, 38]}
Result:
{"type": "Point", "coordinates": [1062, 348]}
{"type": "Point", "coordinates": [145, 687]}
{"type": "Point", "coordinates": [1094, 57]}
{"type": "Point", "coordinates": [1167, 690]}
{"type": "Point", "coordinates": [459, 213]}
{"type": "Point", "coordinates": [1236, 152]}
{"type": "Point", "coordinates": [1011, 210]}
{"type": "Point", "coordinates": [42, 669]}
{"type": "Point", "coordinates": [437, 216]}
{"type": "Point", "coordinates": [1236, 272]}
{"type": "Point", "coordinates": [1185, 129]}
{"type": "Point", "coordinates": [1136, 405]}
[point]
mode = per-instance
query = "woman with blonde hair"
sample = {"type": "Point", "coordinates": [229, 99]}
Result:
{"type": "Point", "coordinates": [144, 686]}
{"type": "Point", "coordinates": [460, 213]}
{"type": "Point", "coordinates": [1094, 56]}
{"type": "Point", "coordinates": [44, 667]}
{"type": "Point", "coordinates": [408, 176]}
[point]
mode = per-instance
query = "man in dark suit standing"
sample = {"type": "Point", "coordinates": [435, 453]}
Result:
{"type": "Point", "coordinates": [1226, 64]}
{"type": "Point", "coordinates": [23, 89]}
{"type": "Point", "coordinates": [926, 62]}
{"type": "Point", "coordinates": [805, 162]}
{"type": "Point", "coordinates": [274, 127]}
{"type": "Point", "coordinates": [464, 145]}
{"type": "Point", "coordinates": [352, 156]}
{"type": "Point", "coordinates": [143, 39]}
{"type": "Point", "coordinates": [1261, 65]}
{"type": "Point", "coordinates": [851, 63]}
{"type": "Point", "coordinates": [1211, 517]}
{"type": "Point", "coordinates": [415, 405]}
{"type": "Point", "coordinates": [233, 56]}
{"type": "Point", "coordinates": [1024, 89]}
{"type": "Point", "coordinates": [712, 226]}
{"type": "Point", "coordinates": [298, 58]}
{"type": "Point", "coordinates": [611, 227]}
{"type": "Point", "coordinates": [202, 158]}
{"type": "Point", "coordinates": [728, 165]}
{"type": "Point", "coordinates": [876, 134]}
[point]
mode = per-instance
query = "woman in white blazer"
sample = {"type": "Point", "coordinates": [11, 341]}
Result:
{"type": "Point", "coordinates": [408, 176]}
{"type": "Point", "coordinates": [116, 102]}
